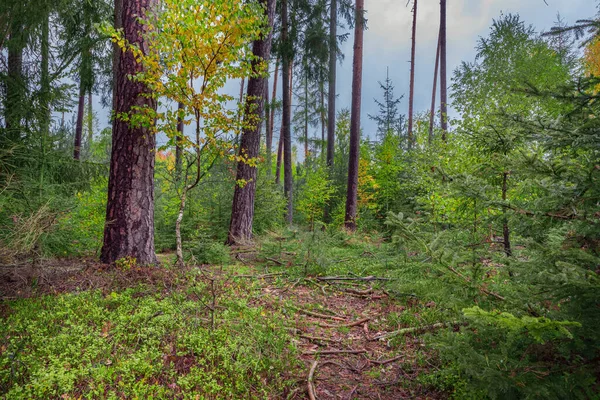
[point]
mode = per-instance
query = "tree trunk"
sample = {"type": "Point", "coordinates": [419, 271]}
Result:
{"type": "Point", "coordinates": [129, 229]}
{"type": "Point", "coordinates": [90, 121]}
{"type": "Point", "coordinates": [411, 96]}
{"type": "Point", "coordinates": [332, 78]}
{"type": "Point", "coordinates": [79, 123]}
{"type": "Point", "coordinates": [443, 83]}
{"type": "Point", "coordinates": [286, 118]}
{"type": "Point", "coordinates": [267, 114]}
{"type": "Point", "coordinates": [279, 157]}
{"type": "Point", "coordinates": [242, 211]}
{"type": "Point", "coordinates": [322, 115]}
{"type": "Point", "coordinates": [272, 120]}
{"type": "Point", "coordinates": [433, 93]}
{"type": "Point", "coordinates": [352, 194]}
{"type": "Point", "coordinates": [178, 144]}
{"type": "Point", "coordinates": [306, 119]}
{"type": "Point", "coordinates": [118, 23]}
{"type": "Point", "coordinates": [505, 229]}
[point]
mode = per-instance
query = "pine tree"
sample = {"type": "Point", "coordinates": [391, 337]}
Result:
{"type": "Point", "coordinates": [389, 120]}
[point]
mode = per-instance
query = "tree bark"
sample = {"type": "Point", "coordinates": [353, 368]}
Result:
{"type": "Point", "coordinates": [242, 211]}
{"type": "Point", "coordinates": [45, 76]}
{"type": "Point", "coordinates": [434, 91]}
{"type": "Point", "coordinates": [505, 229]}
{"type": "Point", "coordinates": [332, 78]}
{"type": "Point", "coordinates": [279, 157]}
{"type": "Point", "coordinates": [286, 118]}
{"type": "Point", "coordinates": [272, 119]}
{"type": "Point", "coordinates": [13, 105]}
{"type": "Point", "coordinates": [79, 123]}
{"type": "Point", "coordinates": [306, 119]}
{"type": "Point", "coordinates": [90, 121]}
{"type": "Point", "coordinates": [411, 97]}
{"type": "Point", "coordinates": [443, 82]}
{"type": "Point", "coordinates": [352, 193]}
{"type": "Point", "coordinates": [322, 116]}
{"type": "Point", "coordinates": [129, 229]}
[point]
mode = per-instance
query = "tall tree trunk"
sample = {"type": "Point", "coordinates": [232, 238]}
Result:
{"type": "Point", "coordinates": [286, 118]}
{"type": "Point", "coordinates": [242, 211]}
{"type": "Point", "coordinates": [443, 82]}
{"type": "Point", "coordinates": [322, 115]}
{"type": "Point", "coordinates": [306, 119]}
{"type": "Point", "coordinates": [267, 115]}
{"type": "Point", "coordinates": [79, 123]}
{"type": "Point", "coordinates": [178, 143]}
{"type": "Point", "coordinates": [129, 229]}
{"type": "Point", "coordinates": [505, 229]}
{"type": "Point", "coordinates": [332, 78]}
{"type": "Point", "coordinates": [272, 119]}
{"type": "Point", "coordinates": [411, 96]}
{"type": "Point", "coordinates": [434, 91]}
{"type": "Point", "coordinates": [352, 194]}
{"type": "Point", "coordinates": [279, 157]}
{"type": "Point", "coordinates": [90, 120]}
{"type": "Point", "coordinates": [118, 23]}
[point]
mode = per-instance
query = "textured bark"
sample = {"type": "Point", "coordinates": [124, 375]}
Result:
{"type": "Point", "coordinates": [79, 123]}
{"type": "Point", "coordinates": [434, 91]}
{"type": "Point", "coordinates": [352, 194]}
{"type": "Point", "coordinates": [242, 210]}
{"type": "Point", "coordinates": [279, 158]}
{"type": "Point", "coordinates": [443, 82]}
{"type": "Point", "coordinates": [90, 121]}
{"type": "Point", "coordinates": [306, 151]}
{"type": "Point", "coordinates": [178, 145]}
{"type": "Point", "coordinates": [266, 116]}
{"type": "Point", "coordinates": [332, 77]}
{"type": "Point", "coordinates": [272, 120]}
{"type": "Point", "coordinates": [322, 116]}
{"type": "Point", "coordinates": [411, 96]}
{"type": "Point", "coordinates": [286, 118]}
{"type": "Point", "coordinates": [129, 229]}
{"type": "Point", "coordinates": [505, 229]}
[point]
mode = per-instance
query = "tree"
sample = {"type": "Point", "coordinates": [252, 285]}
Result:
{"type": "Point", "coordinates": [242, 213]}
{"type": "Point", "coordinates": [287, 53]}
{"type": "Point", "coordinates": [389, 121]}
{"type": "Point", "coordinates": [331, 79]}
{"type": "Point", "coordinates": [352, 189]}
{"type": "Point", "coordinates": [411, 96]}
{"type": "Point", "coordinates": [443, 73]}
{"type": "Point", "coordinates": [434, 91]}
{"type": "Point", "coordinates": [129, 230]}
{"type": "Point", "coordinates": [187, 60]}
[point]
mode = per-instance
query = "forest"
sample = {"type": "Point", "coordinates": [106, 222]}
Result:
{"type": "Point", "coordinates": [186, 213]}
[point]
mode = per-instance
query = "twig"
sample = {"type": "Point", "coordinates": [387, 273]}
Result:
{"type": "Point", "coordinates": [417, 329]}
{"type": "Point", "coordinates": [323, 352]}
{"type": "Point", "coordinates": [311, 389]}
{"type": "Point", "coordinates": [260, 276]}
{"type": "Point", "coordinates": [360, 292]}
{"type": "Point", "coordinates": [273, 260]}
{"type": "Point", "coordinates": [384, 362]}
{"type": "Point", "coordinates": [349, 325]}
{"type": "Point", "coordinates": [317, 315]}
{"type": "Point", "coordinates": [319, 338]}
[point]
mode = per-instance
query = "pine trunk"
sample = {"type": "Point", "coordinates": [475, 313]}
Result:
{"type": "Point", "coordinates": [79, 123]}
{"type": "Point", "coordinates": [306, 120]}
{"type": "Point", "coordinates": [45, 76]}
{"type": "Point", "coordinates": [286, 118]}
{"type": "Point", "coordinates": [279, 158]}
{"type": "Point", "coordinates": [411, 97]}
{"type": "Point", "coordinates": [13, 110]}
{"type": "Point", "coordinates": [242, 211]}
{"type": "Point", "coordinates": [272, 120]}
{"type": "Point", "coordinates": [90, 121]}
{"type": "Point", "coordinates": [332, 78]}
{"type": "Point", "coordinates": [505, 229]}
{"type": "Point", "coordinates": [178, 144]}
{"type": "Point", "coordinates": [129, 229]}
{"type": "Point", "coordinates": [434, 91]}
{"type": "Point", "coordinates": [443, 82]}
{"type": "Point", "coordinates": [353, 162]}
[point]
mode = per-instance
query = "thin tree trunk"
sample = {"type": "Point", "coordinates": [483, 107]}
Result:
{"type": "Point", "coordinates": [352, 194]}
{"type": "Point", "coordinates": [411, 97]}
{"type": "Point", "coordinates": [272, 119]}
{"type": "Point", "coordinates": [332, 78]}
{"type": "Point", "coordinates": [434, 91]}
{"type": "Point", "coordinates": [505, 229]}
{"type": "Point", "coordinates": [13, 105]}
{"type": "Point", "coordinates": [306, 119]}
{"type": "Point", "coordinates": [129, 229]}
{"type": "Point", "coordinates": [286, 122]}
{"type": "Point", "coordinates": [322, 114]}
{"type": "Point", "coordinates": [79, 123]}
{"type": "Point", "coordinates": [242, 89]}
{"type": "Point", "coordinates": [118, 23]}
{"type": "Point", "coordinates": [267, 114]}
{"type": "Point", "coordinates": [178, 144]}
{"type": "Point", "coordinates": [279, 157]}
{"type": "Point", "coordinates": [242, 210]}
{"type": "Point", "coordinates": [443, 82]}
{"type": "Point", "coordinates": [90, 121]}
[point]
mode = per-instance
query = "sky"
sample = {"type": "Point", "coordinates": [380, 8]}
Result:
{"type": "Point", "coordinates": [387, 43]}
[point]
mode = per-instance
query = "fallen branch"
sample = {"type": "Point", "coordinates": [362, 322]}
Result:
{"type": "Point", "coordinates": [261, 276]}
{"type": "Point", "coordinates": [317, 315]}
{"type": "Point", "coordinates": [311, 388]}
{"type": "Point", "coordinates": [323, 352]}
{"type": "Point", "coordinates": [274, 260]}
{"type": "Point", "coordinates": [360, 292]}
{"type": "Point", "coordinates": [319, 338]}
{"type": "Point", "coordinates": [384, 362]}
{"type": "Point", "coordinates": [349, 325]}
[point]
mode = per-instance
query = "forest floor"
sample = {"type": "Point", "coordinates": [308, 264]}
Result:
{"type": "Point", "coordinates": [339, 336]}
